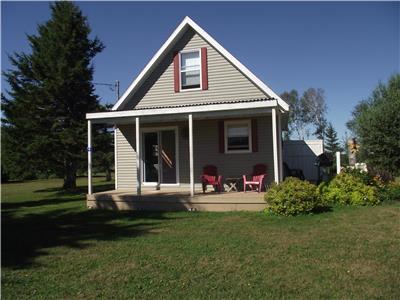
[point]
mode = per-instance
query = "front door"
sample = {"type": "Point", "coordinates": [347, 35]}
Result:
{"type": "Point", "coordinates": [159, 157]}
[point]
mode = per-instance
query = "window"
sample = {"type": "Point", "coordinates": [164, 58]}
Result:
{"type": "Point", "coordinates": [238, 136]}
{"type": "Point", "coordinates": [190, 70]}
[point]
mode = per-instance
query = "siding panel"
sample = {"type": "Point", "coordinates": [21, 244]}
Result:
{"type": "Point", "coordinates": [225, 82]}
{"type": "Point", "coordinates": [206, 151]}
{"type": "Point", "coordinates": [206, 145]}
{"type": "Point", "coordinates": [126, 157]}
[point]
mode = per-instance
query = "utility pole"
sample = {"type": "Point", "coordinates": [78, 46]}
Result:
{"type": "Point", "coordinates": [117, 87]}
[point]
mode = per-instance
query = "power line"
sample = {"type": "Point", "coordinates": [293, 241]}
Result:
{"type": "Point", "coordinates": [113, 86]}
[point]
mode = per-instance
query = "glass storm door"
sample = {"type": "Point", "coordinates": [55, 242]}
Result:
{"type": "Point", "coordinates": [159, 157]}
{"type": "Point", "coordinates": [150, 159]}
{"type": "Point", "coordinates": [168, 156]}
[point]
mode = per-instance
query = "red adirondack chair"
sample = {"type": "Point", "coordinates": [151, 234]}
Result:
{"type": "Point", "coordinates": [210, 177]}
{"type": "Point", "coordinates": [257, 178]}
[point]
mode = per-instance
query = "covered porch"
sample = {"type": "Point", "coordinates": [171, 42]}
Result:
{"type": "Point", "coordinates": [193, 130]}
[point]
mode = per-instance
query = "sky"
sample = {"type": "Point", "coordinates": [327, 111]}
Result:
{"type": "Point", "coordinates": [345, 48]}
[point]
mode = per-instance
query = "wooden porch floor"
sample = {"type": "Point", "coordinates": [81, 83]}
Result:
{"type": "Point", "coordinates": [176, 200]}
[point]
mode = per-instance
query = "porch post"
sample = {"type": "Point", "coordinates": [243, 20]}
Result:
{"type": "Point", "coordinates": [275, 146]}
{"type": "Point", "coordinates": [280, 147]}
{"type": "Point", "coordinates": [89, 149]}
{"type": "Point", "coordinates": [191, 155]}
{"type": "Point", "coordinates": [138, 171]}
{"type": "Point", "coordinates": [115, 158]}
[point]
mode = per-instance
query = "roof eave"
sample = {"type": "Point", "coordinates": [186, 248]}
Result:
{"type": "Point", "coordinates": [183, 110]}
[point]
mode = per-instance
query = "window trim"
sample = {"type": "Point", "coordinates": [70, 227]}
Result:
{"type": "Point", "coordinates": [180, 71]}
{"type": "Point", "coordinates": [236, 122]}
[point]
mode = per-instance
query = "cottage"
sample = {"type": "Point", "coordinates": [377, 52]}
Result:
{"type": "Point", "coordinates": [192, 106]}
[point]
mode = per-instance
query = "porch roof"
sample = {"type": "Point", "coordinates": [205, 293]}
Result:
{"type": "Point", "coordinates": [210, 109]}
{"type": "Point", "coordinates": [209, 102]}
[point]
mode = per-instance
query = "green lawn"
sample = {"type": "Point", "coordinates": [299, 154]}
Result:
{"type": "Point", "coordinates": [53, 247]}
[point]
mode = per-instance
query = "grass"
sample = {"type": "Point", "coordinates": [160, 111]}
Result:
{"type": "Point", "coordinates": [53, 247]}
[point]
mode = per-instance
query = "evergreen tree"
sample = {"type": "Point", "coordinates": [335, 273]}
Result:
{"type": "Point", "coordinates": [332, 144]}
{"type": "Point", "coordinates": [103, 154]}
{"type": "Point", "coordinates": [103, 141]}
{"type": "Point", "coordinates": [320, 129]}
{"type": "Point", "coordinates": [51, 91]}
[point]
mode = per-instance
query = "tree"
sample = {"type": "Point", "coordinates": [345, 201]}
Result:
{"type": "Point", "coordinates": [332, 144]}
{"type": "Point", "coordinates": [313, 101]}
{"type": "Point", "coordinates": [103, 142]}
{"type": "Point", "coordinates": [10, 168]}
{"type": "Point", "coordinates": [376, 124]}
{"type": "Point", "coordinates": [320, 128]}
{"type": "Point", "coordinates": [292, 99]}
{"type": "Point", "coordinates": [308, 110]}
{"type": "Point", "coordinates": [345, 149]}
{"type": "Point", "coordinates": [298, 115]}
{"type": "Point", "coordinates": [51, 91]}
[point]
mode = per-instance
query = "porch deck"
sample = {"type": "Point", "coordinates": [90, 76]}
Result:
{"type": "Point", "coordinates": [176, 200]}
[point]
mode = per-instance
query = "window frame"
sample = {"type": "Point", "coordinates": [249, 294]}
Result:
{"type": "Point", "coordinates": [238, 122]}
{"type": "Point", "coordinates": [198, 50]}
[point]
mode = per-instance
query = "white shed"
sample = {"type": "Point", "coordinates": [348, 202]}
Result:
{"type": "Point", "coordinates": [301, 154]}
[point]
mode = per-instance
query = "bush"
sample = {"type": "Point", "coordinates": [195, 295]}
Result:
{"type": "Point", "coordinates": [350, 188]}
{"type": "Point", "coordinates": [366, 177]}
{"type": "Point", "coordinates": [381, 175]}
{"type": "Point", "coordinates": [390, 192]}
{"type": "Point", "coordinates": [4, 175]}
{"type": "Point", "coordinates": [292, 197]}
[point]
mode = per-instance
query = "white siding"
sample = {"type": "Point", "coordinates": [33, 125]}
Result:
{"type": "Point", "coordinates": [126, 157]}
{"type": "Point", "coordinates": [301, 155]}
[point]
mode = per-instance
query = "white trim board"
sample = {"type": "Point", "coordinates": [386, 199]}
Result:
{"type": "Point", "coordinates": [158, 130]}
{"type": "Point", "coordinates": [115, 157]}
{"type": "Point", "coordinates": [187, 22]}
{"type": "Point", "coordinates": [198, 50]}
{"type": "Point", "coordinates": [181, 110]}
{"type": "Point", "coordinates": [235, 122]}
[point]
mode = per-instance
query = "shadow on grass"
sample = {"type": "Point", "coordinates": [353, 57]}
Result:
{"type": "Point", "coordinates": [57, 196]}
{"type": "Point", "coordinates": [59, 191]}
{"type": "Point", "coordinates": [322, 209]}
{"type": "Point", "coordinates": [28, 237]}
{"type": "Point", "coordinates": [37, 203]}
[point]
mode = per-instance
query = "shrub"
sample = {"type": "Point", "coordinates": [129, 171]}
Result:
{"type": "Point", "coordinates": [381, 175]}
{"type": "Point", "coordinates": [292, 197]}
{"type": "Point", "coordinates": [366, 177]}
{"type": "Point", "coordinates": [390, 192]}
{"type": "Point", "coordinates": [350, 189]}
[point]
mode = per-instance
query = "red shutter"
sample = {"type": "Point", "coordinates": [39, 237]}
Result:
{"type": "Point", "coordinates": [254, 136]}
{"type": "Point", "coordinates": [221, 136]}
{"type": "Point", "coordinates": [204, 71]}
{"type": "Point", "coordinates": [176, 72]}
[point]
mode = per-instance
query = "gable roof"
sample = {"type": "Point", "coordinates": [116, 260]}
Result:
{"type": "Point", "coordinates": [174, 37]}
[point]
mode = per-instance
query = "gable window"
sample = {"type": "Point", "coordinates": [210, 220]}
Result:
{"type": "Point", "coordinates": [238, 136]}
{"type": "Point", "coordinates": [190, 70]}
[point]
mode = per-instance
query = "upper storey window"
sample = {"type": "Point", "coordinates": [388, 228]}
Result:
{"type": "Point", "coordinates": [190, 70]}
